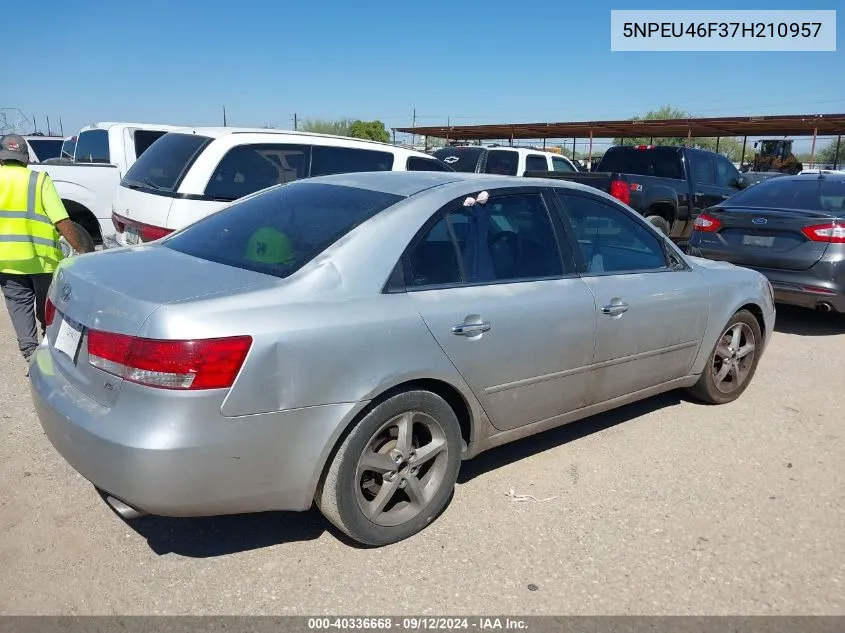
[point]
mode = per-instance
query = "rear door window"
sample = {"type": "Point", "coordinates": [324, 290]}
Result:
{"type": "Point", "coordinates": [279, 231]}
{"type": "Point", "coordinates": [503, 162]}
{"type": "Point", "coordinates": [249, 168]}
{"type": "Point", "coordinates": [144, 138]}
{"type": "Point", "coordinates": [536, 162]}
{"type": "Point", "coordinates": [92, 146]}
{"type": "Point", "coordinates": [326, 160]}
{"type": "Point", "coordinates": [417, 163]}
{"type": "Point", "coordinates": [163, 166]}
{"type": "Point", "coordinates": [661, 162]}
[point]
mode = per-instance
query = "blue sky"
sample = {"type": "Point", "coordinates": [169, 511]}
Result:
{"type": "Point", "coordinates": [179, 62]}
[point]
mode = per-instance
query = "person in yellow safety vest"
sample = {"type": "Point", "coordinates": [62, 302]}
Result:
{"type": "Point", "coordinates": [31, 218]}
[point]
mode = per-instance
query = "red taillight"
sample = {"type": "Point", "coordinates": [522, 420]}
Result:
{"type": "Point", "coordinates": [49, 313]}
{"type": "Point", "coordinates": [190, 364]}
{"type": "Point", "coordinates": [118, 222]}
{"type": "Point", "coordinates": [833, 232]}
{"type": "Point", "coordinates": [621, 191]}
{"type": "Point", "coordinates": [150, 233]}
{"type": "Point", "coordinates": [147, 232]}
{"type": "Point", "coordinates": [706, 224]}
{"type": "Point", "coordinates": [643, 146]}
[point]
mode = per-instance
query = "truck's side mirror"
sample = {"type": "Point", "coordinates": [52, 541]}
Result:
{"type": "Point", "coordinates": [739, 182]}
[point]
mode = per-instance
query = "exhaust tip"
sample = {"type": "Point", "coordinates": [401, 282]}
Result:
{"type": "Point", "coordinates": [124, 510]}
{"type": "Point", "coordinates": [824, 306]}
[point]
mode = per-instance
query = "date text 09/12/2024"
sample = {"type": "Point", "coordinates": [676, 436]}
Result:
{"type": "Point", "coordinates": [417, 624]}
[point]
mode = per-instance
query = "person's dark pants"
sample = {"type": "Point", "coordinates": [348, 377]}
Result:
{"type": "Point", "coordinates": [26, 296]}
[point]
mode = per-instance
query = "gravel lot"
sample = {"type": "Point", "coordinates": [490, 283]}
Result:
{"type": "Point", "coordinates": [664, 507]}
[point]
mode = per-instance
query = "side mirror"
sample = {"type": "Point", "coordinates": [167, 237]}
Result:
{"type": "Point", "coordinates": [739, 182]}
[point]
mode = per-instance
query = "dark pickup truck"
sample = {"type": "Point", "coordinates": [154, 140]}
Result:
{"type": "Point", "coordinates": [668, 185]}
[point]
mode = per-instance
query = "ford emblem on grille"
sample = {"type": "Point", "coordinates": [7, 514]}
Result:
{"type": "Point", "coordinates": [65, 293]}
{"type": "Point", "coordinates": [759, 220]}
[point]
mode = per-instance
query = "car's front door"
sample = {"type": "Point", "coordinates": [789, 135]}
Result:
{"type": "Point", "coordinates": [500, 295]}
{"type": "Point", "coordinates": [652, 309]}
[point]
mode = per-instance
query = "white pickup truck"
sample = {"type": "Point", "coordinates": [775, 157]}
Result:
{"type": "Point", "coordinates": [88, 184]}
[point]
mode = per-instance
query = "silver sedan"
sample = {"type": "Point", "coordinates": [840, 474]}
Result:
{"type": "Point", "coordinates": [349, 340]}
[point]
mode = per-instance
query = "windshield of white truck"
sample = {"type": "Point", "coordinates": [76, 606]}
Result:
{"type": "Point", "coordinates": [163, 165]}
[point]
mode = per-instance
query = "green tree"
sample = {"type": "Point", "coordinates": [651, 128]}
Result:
{"type": "Point", "coordinates": [827, 154]}
{"type": "Point", "coordinates": [338, 127]}
{"type": "Point", "coordinates": [370, 130]}
{"type": "Point", "coordinates": [729, 146]}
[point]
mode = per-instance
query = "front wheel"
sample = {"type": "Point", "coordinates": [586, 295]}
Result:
{"type": "Point", "coordinates": [732, 362]}
{"type": "Point", "coordinates": [395, 471]}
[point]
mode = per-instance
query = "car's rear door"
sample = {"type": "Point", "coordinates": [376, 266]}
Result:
{"type": "Point", "coordinates": [651, 308]}
{"type": "Point", "coordinates": [503, 301]}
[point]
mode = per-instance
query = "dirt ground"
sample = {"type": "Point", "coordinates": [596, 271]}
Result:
{"type": "Point", "coordinates": [663, 507]}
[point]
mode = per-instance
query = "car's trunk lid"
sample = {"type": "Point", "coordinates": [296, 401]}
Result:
{"type": "Point", "coordinates": [136, 210]}
{"type": "Point", "coordinates": [107, 291]}
{"type": "Point", "coordinates": [764, 238]}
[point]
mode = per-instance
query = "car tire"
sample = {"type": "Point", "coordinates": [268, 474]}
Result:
{"type": "Point", "coordinates": [660, 223]}
{"type": "Point", "coordinates": [84, 237]}
{"type": "Point", "coordinates": [416, 489]}
{"type": "Point", "coordinates": [729, 371]}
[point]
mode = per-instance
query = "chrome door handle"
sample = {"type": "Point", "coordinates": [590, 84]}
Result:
{"type": "Point", "coordinates": [615, 309]}
{"type": "Point", "coordinates": [467, 329]}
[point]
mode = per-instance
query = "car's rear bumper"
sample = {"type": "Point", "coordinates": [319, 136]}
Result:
{"type": "Point", "coordinates": [821, 285]}
{"type": "Point", "coordinates": [182, 459]}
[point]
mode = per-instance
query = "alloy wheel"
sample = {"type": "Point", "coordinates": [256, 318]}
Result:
{"type": "Point", "coordinates": [401, 468]}
{"type": "Point", "coordinates": [733, 358]}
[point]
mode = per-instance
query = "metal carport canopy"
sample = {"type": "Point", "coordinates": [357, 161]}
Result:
{"type": "Point", "coordinates": [781, 125]}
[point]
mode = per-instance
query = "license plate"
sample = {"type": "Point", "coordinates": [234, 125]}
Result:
{"type": "Point", "coordinates": [69, 338]}
{"type": "Point", "coordinates": [758, 240]}
{"type": "Point", "coordinates": [131, 236]}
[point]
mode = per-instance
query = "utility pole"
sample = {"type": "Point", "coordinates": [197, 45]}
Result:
{"type": "Point", "coordinates": [224, 116]}
{"type": "Point", "coordinates": [295, 122]}
{"type": "Point", "coordinates": [61, 127]}
{"type": "Point", "coordinates": [49, 133]}
{"type": "Point", "coordinates": [413, 125]}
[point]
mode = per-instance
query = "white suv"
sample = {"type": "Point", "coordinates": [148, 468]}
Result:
{"type": "Point", "coordinates": [190, 173]}
{"type": "Point", "coordinates": [503, 160]}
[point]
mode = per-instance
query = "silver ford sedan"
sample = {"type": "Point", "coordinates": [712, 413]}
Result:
{"type": "Point", "coordinates": [349, 340]}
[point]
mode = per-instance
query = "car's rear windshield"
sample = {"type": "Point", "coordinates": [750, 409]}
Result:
{"type": "Point", "coordinates": [662, 162]}
{"type": "Point", "coordinates": [279, 230]}
{"type": "Point", "coordinates": [46, 148]}
{"type": "Point", "coordinates": [809, 194]}
{"type": "Point", "coordinates": [460, 158]}
{"type": "Point", "coordinates": [162, 166]}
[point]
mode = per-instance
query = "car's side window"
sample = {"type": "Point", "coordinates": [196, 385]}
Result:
{"type": "Point", "coordinates": [246, 169]}
{"type": "Point", "coordinates": [510, 238]}
{"type": "Point", "coordinates": [702, 168]}
{"type": "Point", "coordinates": [536, 162]}
{"type": "Point", "coordinates": [610, 240]}
{"type": "Point", "coordinates": [726, 173]}
{"type": "Point", "coordinates": [504, 162]}
{"type": "Point", "coordinates": [559, 164]}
